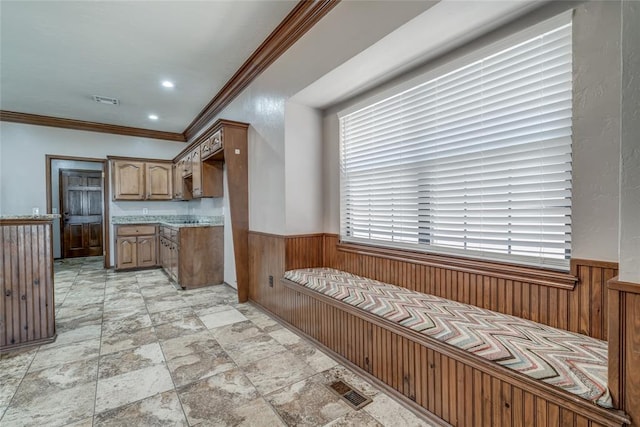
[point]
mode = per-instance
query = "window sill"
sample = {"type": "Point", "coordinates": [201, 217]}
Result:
{"type": "Point", "coordinates": [505, 271]}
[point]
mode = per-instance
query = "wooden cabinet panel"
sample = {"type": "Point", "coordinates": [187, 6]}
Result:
{"type": "Point", "coordinates": [200, 256]}
{"type": "Point", "coordinates": [196, 173]}
{"type": "Point", "coordinates": [146, 251]}
{"type": "Point", "coordinates": [193, 256]}
{"type": "Point", "coordinates": [212, 145]}
{"type": "Point", "coordinates": [128, 179]}
{"type": "Point", "coordinates": [127, 254]}
{"type": "Point", "coordinates": [212, 178]}
{"type": "Point", "coordinates": [179, 192]}
{"type": "Point", "coordinates": [159, 181]}
{"type": "Point", "coordinates": [185, 164]}
{"type": "Point", "coordinates": [27, 309]}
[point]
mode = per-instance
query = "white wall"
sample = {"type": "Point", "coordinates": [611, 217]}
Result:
{"type": "Point", "coordinates": [22, 164]}
{"type": "Point", "coordinates": [303, 169]}
{"type": "Point", "coordinates": [596, 32]}
{"type": "Point", "coordinates": [630, 145]}
{"type": "Point", "coordinates": [596, 130]}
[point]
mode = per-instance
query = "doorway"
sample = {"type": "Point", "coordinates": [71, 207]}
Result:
{"type": "Point", "coordinates": [87, 203]}
{"type": "Point", "coordinates": [81, 210]}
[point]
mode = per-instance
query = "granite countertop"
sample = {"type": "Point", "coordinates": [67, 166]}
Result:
{"type": "Point", "coordinates": [177, 221]}
{"type": "Point", "coordinates": [43, 217]}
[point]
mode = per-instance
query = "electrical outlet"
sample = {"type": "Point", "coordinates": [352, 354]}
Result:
{"type": "Point", "coordinates": [271, 281]}
{"type": "Point", "coordinates": [145, 211]}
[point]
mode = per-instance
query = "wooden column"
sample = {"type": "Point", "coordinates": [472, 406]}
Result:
{"type": "Point", "coordinates": [234, 137]}
{"type": "Point", "coordinates": [624, 347]}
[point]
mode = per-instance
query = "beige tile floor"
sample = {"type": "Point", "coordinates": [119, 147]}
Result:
{"type": "Point", "coordinates": [132, 350]}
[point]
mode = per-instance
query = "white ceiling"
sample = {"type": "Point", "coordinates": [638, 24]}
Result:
{"type": "Point", "coordinates": [55, 55]}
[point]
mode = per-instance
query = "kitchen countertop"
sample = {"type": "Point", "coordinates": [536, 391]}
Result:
{"type": "Point", "coordinates": [43, 217]}
{"type": "Point", "coordinates": [176, 221]}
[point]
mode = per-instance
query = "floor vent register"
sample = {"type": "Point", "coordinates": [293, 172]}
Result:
{"type": "Point", "coordinates": [353, 397]}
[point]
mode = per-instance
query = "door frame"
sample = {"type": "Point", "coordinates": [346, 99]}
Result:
{"type": "Point", "coordinates": [106, 241]}
{"type": "Point", "coordinates": [60, 203]}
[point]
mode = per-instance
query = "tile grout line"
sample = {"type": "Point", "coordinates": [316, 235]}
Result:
{"type": "Point", "coordinates": [95, 394]}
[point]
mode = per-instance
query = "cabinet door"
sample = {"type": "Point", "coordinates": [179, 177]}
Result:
{"type": "Point", "coordinates": [126, 253]}
{"type": "Point", "coordinates": [146, 247]}
{"type": "Point", "coordinates": [128, 180]}
{"type": "Point", "coordinates": [176, 263]}
{"type": "Point", "coordinates": [162, 253]}
{"type": "Point", "coordinates": [159, 178]}
{"type": "Point", "coordinates": [196, 170]}
{"type": "Point", "coordinates": [178, 192]}
{"type": "Point", "coordinates": [186, 165]}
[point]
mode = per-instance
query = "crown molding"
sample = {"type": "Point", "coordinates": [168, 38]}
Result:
{"type": "Point", "coordinates": [38, 120]}
{"type": "Point", "coordinates": [303, 16]}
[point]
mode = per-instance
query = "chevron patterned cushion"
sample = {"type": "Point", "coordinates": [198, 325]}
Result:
{"type": "Point", "coordinates": [575, 363]}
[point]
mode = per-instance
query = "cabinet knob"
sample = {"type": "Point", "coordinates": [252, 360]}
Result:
{"type": "Point", "coordinates": [8, 293]}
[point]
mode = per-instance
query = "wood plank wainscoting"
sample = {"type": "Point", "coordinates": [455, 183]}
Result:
{"type": "Point", "coordinates": [447, 383]}
{"type": "Point", "coordinates": [27, 310]}
{"type": "Point", "coordinates": [624, 346]}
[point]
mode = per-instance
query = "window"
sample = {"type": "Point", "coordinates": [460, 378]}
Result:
{"type": "Point", "coordinates": [474, 161]}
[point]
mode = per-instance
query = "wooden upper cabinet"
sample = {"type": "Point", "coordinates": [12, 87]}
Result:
{"type": "Point", "coordinates": [128, 180]}
{"type": "Point", "coordinates": [137, 179]}
{"type": "Point", "coordinates": [185, 164]}
{"type": "Point", "coordinates": [212, 145]}
{"type": "Point", "coordinates": [196, 173]}
{"type": "Point", "coordinates": [159, 180]}
{"type": "Point", "coordinates": [178, 192]}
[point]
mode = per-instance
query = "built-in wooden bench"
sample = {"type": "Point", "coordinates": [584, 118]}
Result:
{"type": "Point", "coordinates": [468, 365]}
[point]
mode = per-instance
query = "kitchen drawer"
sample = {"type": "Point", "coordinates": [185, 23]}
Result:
{"type": "Point", "coordinates": [136, 230]}
{"type": "Point", "coordinates": [169, 233]}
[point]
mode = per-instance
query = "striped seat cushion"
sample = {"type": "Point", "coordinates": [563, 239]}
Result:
{"type": "Point", "coordinates": [573, 362]}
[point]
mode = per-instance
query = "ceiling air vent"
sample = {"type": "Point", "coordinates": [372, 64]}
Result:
{"type": "Point", "coordinates": [106, 100]}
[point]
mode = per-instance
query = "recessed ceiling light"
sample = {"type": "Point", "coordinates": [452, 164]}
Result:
{"type": "Point", "coordinates": [153, 117]}
{"type": "Point", "coordinates": [167, 84]}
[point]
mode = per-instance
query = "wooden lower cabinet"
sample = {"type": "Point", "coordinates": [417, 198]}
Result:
{"type": "Point", "coordinates": [136, 246]}
{"type": "Point", "coordinates": [193, 256]}
{"type": "Point", "coordinates": [147, 251]}
{"type": "Point", "coordinates": [27, 309]}
{"type": "Point", "coordinates": [169, 257]}
{"type": "Point", "coordinates": [127, 255]}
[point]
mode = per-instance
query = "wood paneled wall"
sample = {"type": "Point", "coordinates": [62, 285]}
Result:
{"type": "Point", "coordinates": [304, 251]}
{"type": "Point", "coordinates": [456, 390]}
{"type": "Point", "coordinates": [624, 346]}
{"type": "Point", "coordinates": [582, 309]}
{"type": "Point", "coordinates": [26, 284]}
{"type": "Point", "coordinates": [266, 259]}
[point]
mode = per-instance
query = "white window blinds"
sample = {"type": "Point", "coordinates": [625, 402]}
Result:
{"type": "Point", "coordinates": [474, 162]}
